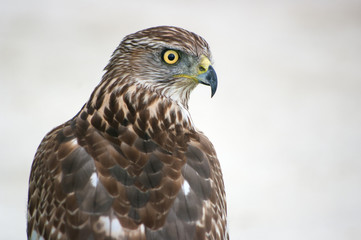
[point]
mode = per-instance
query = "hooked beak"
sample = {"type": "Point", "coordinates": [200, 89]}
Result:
{"type": "Point", "coordinates": [209, 78]}
{"type": "Point", "coordinates": [205, 74]}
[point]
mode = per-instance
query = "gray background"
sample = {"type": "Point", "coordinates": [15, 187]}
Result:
{"type": "Point", "coordinates": [286, 120]}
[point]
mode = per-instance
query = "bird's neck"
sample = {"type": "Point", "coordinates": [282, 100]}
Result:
{"type": "Point", "coordinates": [127, 103]}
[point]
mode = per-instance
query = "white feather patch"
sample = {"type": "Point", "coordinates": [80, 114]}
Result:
{"type": "Point", "coordinates": [186, 188]}
{"type": "Point", "coordinates": [112, 227]}
{"type": "Point", "coordinates": [94, 179]}
{"type": "Point", "coordinates": [74, 142]}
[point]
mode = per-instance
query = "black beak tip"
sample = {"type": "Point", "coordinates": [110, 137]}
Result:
{"type": "Point", "coordinates": [213, 90]}
{"type": "Point", "coordinates": [209, 78]}
{"type": "Point", "coordinates": [212, 79]}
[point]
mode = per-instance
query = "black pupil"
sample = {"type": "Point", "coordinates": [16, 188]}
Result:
{"type": "Point", "coordinates": [171, 57]}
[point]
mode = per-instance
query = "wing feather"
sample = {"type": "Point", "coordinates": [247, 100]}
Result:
{"type": "Point", "coordinates": [129, 165]}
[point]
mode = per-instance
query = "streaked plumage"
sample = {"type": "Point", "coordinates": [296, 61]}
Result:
{"type": "Point", "coordinates": [131, 164]}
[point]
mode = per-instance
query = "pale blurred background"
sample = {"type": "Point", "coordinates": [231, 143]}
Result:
{"type": "Point", "coordinates": [286, 120]}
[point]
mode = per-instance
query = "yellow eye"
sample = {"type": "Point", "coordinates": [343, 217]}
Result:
{"type": "Point", "coordinates": [170, 56]}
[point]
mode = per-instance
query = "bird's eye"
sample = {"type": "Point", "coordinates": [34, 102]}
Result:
{"type": "Point", "coordinates": [170, 56]}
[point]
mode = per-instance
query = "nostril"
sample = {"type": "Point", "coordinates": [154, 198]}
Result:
{"type": "Point", "coordinates": [202, 69]}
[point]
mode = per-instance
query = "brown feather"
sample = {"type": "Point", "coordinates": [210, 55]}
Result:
{"type": "Point", "coordinates": [130, 164]}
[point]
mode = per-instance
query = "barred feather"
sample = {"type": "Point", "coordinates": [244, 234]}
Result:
{"type": "Point", "coordinates": [130, 164]}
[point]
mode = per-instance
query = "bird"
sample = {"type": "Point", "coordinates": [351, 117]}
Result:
{"type": "Point", "coordinates": [131, 164]}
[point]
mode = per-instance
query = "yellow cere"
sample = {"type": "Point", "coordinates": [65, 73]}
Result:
{"type": "Point", "coordinates": [203, 64]}
{"type": "Point", "coordinates": [170, 56]}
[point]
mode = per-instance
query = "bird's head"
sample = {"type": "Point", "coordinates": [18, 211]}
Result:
{"type": "Point", "coordinates": [168, 60]}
